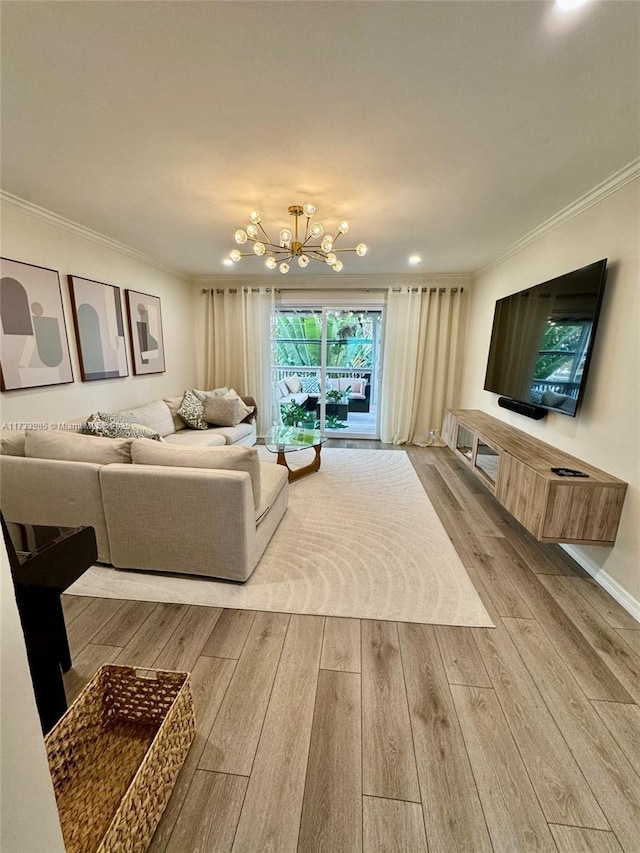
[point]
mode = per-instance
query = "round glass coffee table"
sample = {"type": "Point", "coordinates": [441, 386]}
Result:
{"type": "Point", "coordinates": [283, 440]}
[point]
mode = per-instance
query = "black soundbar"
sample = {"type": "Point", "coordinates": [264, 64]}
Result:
{"type": "Point", "coordinates": [527, 409]}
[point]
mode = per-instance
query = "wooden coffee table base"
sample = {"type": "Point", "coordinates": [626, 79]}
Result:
{"type": "Point", "coordinates": [296, 473]}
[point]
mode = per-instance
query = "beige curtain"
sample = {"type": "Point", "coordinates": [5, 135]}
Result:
{"type": "Point", "coordinates": [420, 363]}
{"type": "Point", "coordinates": [238, 345]}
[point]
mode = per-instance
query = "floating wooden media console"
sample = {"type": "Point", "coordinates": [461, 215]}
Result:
{"type": "Point", "coordinates": [517, 468]}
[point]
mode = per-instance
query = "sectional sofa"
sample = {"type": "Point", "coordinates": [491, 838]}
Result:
{"type": "Point", "coordinates": [198, 502]}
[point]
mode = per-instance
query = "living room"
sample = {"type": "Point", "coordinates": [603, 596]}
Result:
{"type": "Point", "coordinates": [495, 198]}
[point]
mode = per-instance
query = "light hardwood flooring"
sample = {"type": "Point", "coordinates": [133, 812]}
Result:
{"type": "Point", "coordinates": [330, 734]}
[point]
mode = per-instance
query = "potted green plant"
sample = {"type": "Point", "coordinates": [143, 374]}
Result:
{"type": "Point", "coordinates": [292, 413]}
{"type": "Point", "coordinates": [338, 403]}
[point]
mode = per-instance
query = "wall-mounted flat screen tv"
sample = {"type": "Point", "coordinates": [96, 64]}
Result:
{"type": "Point", "coordinates": [542, 340]}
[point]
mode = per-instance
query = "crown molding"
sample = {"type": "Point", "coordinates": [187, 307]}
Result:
{"type": "Point", "coordinates": [617, 181]}
{"type": "Point", "coordinates": [44, 215]}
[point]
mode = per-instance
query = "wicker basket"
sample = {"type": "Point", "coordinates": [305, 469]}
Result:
{"type": "Point", "coordinates": [115, 756]}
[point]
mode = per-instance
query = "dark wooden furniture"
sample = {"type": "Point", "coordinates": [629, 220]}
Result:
{"type": "Point", "coordinates": [44, 562]}
{"type": "Point", "coordinates": [517, 468]}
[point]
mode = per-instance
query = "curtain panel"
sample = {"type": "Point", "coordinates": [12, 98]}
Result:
{"type": "Point", "coordinates": [238, 345]}
{"type": "Point", "coordinates": [420, 363]}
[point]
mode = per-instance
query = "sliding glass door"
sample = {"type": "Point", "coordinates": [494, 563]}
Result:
{"type": "Point", "coordinates": [327, 360]}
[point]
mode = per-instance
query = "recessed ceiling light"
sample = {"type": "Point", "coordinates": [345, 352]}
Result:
{"type": "Point", "coordinates": [228, 262]}
{"type": "Point", "coordinates": [568, 5]}
{"type": "Point", "coordinates": [415, 259]}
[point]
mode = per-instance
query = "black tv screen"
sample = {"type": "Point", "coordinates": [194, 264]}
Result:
{"type": "Point", "coordinates": [542, 339]}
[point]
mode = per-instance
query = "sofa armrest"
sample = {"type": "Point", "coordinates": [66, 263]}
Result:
{"type": "Point", "coordinates": [187, 520]}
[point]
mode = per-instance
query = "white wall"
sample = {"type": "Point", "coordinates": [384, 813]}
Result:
{"type": "Point", "coordinates": [29, 815]}
{"type": "Point", "coordinates": [606, 431]}
{"type": "Point", "coordinates": [42, 242]}
{"type": "Point", "coordinates": [29, 820]}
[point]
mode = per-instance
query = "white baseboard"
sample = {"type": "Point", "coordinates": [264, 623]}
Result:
{"type": "Point", "coordinates": [605, 580]}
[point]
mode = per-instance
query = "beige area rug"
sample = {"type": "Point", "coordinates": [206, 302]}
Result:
{"type": "Point", "coordinates": [360, 539]}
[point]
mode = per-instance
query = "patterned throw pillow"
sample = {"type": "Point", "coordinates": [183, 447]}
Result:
{"type": "Point", "coordinates": [310, 385]}
{"type": "Point", "coordinates": [106, 425]}
{"type": "Point", "coordinates": [191, 411]}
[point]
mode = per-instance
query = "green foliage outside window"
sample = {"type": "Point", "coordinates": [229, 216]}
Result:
{"type": "Point", "coordinates": [349, 340]}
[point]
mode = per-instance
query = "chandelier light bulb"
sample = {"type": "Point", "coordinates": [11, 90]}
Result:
{"type": "Point", "coordinates": [327, 243]}
{"type": "Point", "coordinates": [259, 248]}
{"type": "Point", "coordinates": [255, 216]}
{"type": "Point", "coordinates": [241, 236]}
{"type": "Point", "coordinates": [284, 267]}
{"type": "Point", "coordinates": [309, 210]}
{"type": "Point", "coordinates": [343, 227]}
{"type": "Point", "coordinates": [338, 266]}
{"type": "Point", "coordinates": [361, 250]}
{"type": "Point", "coordinates": [285, 237]}
{"type": "Point", "coordinates": [252, 231]}
{"type": "Point", "coordinates": [303, 261]}
{"type": "Point", "coordinates": [317, 230]}
{"type": "Point", "coordinates": [271, 263]}
{"type": "Point", "coordinates": [331, 259]}
{"type": "Point", "coordinates": [235, 256]}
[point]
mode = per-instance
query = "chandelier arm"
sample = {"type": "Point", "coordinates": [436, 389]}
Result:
{"type": "Point", "coordinates": [269, 240]}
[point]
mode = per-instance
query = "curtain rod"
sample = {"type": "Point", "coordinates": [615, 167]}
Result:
{"type": "Point", "coordinates": [331, 291]}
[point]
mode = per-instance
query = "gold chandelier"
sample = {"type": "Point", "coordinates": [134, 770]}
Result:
{"type": "Point", "coordinates": [291, 244]}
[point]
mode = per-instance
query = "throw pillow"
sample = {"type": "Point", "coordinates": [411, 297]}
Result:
{"type": "Point", "coordinates": [191, 411]}
{"type": "Point", "coordinates": [225, 458]}
{"type": "Point", "coordinates": [310, 385]}
{"type": "Point", "coordinates": [294, 384]}
{"type": "Point", "coordinates": [243, 409]}
{"type": "Point", "coordinates": [114, 428]}
{"type": "Point", "coordinates": [155, 415]}
{"type": "Point", "coordinates": [220, 392]}
{"type": "Point", "coordinates": [221, 411]}
{"type": "Point", "coordinates": [75, 447]}
{"type": "Point", "coordinates": [283, 389]}
{"type": "Point", "coordinates": [174, 404]}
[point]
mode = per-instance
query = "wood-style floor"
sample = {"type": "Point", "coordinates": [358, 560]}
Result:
{"type": "Point", "coordinates": [331, 734]}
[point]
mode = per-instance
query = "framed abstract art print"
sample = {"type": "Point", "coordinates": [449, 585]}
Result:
{"type": "Point", "coordinates": [97, 314]}
{"type": "Point", "coordinates": [34, 350]}
{"type": "Point", "coordinates": [145, 329]}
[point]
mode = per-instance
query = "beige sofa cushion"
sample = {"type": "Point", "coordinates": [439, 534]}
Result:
{"type": "Point", "coordinates": [146, 452]}
{"type": "Point", "coordinates": [12, 442]}
{"type": "Point", "coordinates": [196, 438]}
{"type": "Point", "coordinates": [274, 479]}
{"type": "Point", "coordinates": [237, 434]}
{"type": "Point", "coordinates": [155, 415]}
{"type": "Point", "coordinates": [74, 447]}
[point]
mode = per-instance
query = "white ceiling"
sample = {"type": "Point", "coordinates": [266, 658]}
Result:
{"type": "Point", "coordinates": [449, 129]}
